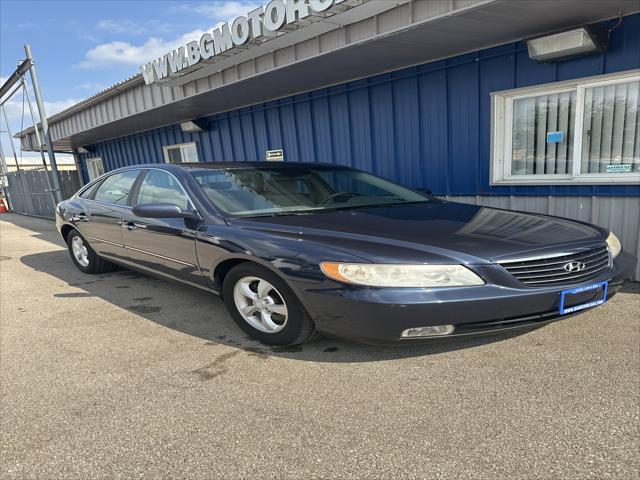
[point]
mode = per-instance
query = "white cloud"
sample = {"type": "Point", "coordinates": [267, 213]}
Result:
{"type": "Point", "coordinates": [92, 86]}
{"type": "Point", "coordinates": [55, 107]}
{"type": "Point", "coordinates": [13, 108]}
{"type": "Point", "coordinates": [220, 10]}
{"type": "Point", "coordinates": [124, 53]}
{"type": "Point", "coordinates": [133, 28]}
{"type": "Point", "coordinates": [18, 121]}
{"type": "Point", "coordinates": [27, 25]}
{"type": "Point", "coordinates": [121, 26]}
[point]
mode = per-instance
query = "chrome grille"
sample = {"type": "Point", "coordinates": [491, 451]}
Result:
{"type": "Point", "coordinates": [549, 271]}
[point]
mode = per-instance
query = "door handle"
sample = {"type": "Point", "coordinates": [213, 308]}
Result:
{"type": "Point", "coordinates": [131, 226]}
{"type": "Point", "coordinates": [79, 217]}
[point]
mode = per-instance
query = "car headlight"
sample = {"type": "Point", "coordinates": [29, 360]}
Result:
{"type": "Point", "coordinates": [392, 275]}
{"type": "Point", "coordinates": [613, 242]}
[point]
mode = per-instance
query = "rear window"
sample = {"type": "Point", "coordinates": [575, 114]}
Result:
{"type": "Point", "coordinates": [162, 187]}
{"type": "Point", "coordinates": [116, 188]}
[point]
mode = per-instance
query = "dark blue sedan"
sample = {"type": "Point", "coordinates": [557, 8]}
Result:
{"type": "Point", "coordinates": [299, 249]}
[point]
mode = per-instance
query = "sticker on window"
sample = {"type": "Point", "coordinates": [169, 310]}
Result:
{"type": "Point", "coordinates": [620, 168]}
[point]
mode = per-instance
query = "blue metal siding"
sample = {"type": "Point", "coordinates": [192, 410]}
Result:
{"type": "Point", "coordinates": [424, 126]}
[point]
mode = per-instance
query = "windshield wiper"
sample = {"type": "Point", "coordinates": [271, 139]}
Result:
{"type": "Point", "coordinates": [401, 204]}
{"type": "Point", "coordinates": [332, 209]}
{"type": "Point", "coordinates": [279, 214]}
{"type": "Point", "coordinates": [373, 205]}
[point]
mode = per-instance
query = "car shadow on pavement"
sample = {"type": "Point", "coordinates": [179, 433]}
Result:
{"type": "Point", "coordinates": [199, 314]}
{"type": "Point", "coordinates": [631, 287]}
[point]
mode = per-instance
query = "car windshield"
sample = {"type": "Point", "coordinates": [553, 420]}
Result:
{"type": "Point", "coordinates": [291, 190]}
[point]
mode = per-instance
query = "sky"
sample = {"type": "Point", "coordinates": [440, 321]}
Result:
{"type": "Point", "coordinates": [84, 46]}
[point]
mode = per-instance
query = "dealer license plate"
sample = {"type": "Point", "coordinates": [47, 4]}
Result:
{"type": "Point", "coordinates": [579, 298]}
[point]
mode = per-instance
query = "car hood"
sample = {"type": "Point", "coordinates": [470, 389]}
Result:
{"type": "Point", "coordinates": [433, 231]}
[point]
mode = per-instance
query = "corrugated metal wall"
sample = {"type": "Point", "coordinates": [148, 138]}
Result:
{"type": "Point", "coordinates": [619, 215]}
{"type": "Point", "coordinates": [425, 126]}
{"type": "Point", "coordinates": [422, 126]}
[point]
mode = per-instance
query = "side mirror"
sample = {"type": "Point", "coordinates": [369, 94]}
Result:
{"type": "Point", "coordinates": [163, 210]}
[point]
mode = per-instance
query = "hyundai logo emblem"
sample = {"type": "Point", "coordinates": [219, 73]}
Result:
{"type": "Point", "coordinates": [574, 267]}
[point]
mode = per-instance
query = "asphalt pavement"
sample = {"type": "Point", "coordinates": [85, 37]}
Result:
{"type": "Point", "coordinates": [121, 376]}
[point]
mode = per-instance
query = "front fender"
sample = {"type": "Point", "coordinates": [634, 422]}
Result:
{"type": "Point", "coordinates": [295, 260]}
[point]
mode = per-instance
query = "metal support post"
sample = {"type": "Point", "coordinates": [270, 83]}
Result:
{"type": "Point", "coordinates": [39, 140]}
{"type": "Point", "coordinates": [44, 125]}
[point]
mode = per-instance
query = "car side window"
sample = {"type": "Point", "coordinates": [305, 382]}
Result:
{"type": "Point", "coordinates": [86, 193]}
{"type": "Point", "coordinates": [116, 188]}
{"type": "Point", "coordinates": [161, 187]}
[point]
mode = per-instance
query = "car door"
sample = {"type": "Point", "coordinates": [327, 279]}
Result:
{"type": "Point", "coordinates": [163, 245]}
{"type": "Point", "coordinates": [100, 223]}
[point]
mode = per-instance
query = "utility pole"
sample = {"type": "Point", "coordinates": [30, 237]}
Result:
{"type": "Point", "coordinates": [57, 191]}
{"type": "Point", "coordinates": [39, 140]}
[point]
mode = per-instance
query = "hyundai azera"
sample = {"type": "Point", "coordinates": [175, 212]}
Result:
{"type": "Point", "coordinates": [299, 249]}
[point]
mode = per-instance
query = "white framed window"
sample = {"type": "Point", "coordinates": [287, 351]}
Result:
{"type": "Point", "coordinates": [95, 167]}
{"type": "Point", "coordinates": [181, 153]}
{"type": "Point", "coordinates": [582, 131]}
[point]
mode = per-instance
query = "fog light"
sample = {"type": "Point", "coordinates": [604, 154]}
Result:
{"type": "Point", "coordinates": [434, 331]}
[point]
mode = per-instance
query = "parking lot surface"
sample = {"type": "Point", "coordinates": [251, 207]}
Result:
{"type": "Point", "coordinates": [123, 375]}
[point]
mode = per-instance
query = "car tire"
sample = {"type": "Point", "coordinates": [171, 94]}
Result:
{"type": "Point", "coordinates": [271, 298]}
{"type": "Point", "coordinates": [84, 257]}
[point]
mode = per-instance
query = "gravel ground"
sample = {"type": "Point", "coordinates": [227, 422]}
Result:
{"type": "Point", "coordinates": [122, 376]}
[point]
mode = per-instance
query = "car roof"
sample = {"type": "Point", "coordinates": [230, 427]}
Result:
{"type": "Point", "coordinates": [231, 165]}
{"type": "Point", "coordinates": [263, 164]}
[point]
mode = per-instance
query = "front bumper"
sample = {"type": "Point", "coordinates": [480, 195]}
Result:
{"type": "Point", "coordinates": [59, 221]}
{"type": "Point", "coordinates": [379, 315]}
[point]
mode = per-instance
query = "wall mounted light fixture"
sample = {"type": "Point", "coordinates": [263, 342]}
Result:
{"type": "Point", "coordinates": [192, 126]}
{"type": "Point", "coordinates": [568, 44]}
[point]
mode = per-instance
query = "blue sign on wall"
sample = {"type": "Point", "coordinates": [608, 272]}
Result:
{"type": "Point", "coordinates": [555, 137]}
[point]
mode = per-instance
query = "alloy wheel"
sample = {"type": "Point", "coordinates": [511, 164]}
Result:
{"type": "Point", "coordinates": [80, 251]}
{"type": "Point", "coordinates": [260, 304]}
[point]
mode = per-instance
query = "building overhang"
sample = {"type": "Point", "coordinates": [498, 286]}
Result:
{"type": "Point", "coordinates": [372, 40]}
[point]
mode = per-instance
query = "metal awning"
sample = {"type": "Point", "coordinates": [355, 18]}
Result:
{"type": "Point", "coordinates": [375, 37]}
